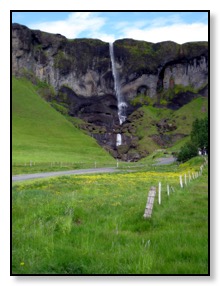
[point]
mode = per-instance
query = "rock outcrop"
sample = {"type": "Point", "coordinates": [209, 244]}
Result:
{"type": "Point", "coordinates": [80, 72]}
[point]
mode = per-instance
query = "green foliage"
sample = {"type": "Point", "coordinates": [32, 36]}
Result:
{"type": "Point", "coordinates": [163, 101]}
{"type": "Point", "coordinates": [37, 47]}
{"type": "Point", "coordinates": [62, 96]}
{"type": "Point", "coordinates": [63, 62]}
{"type": "Point", "coordinates": [188, 151]}
{"type": "Point", "coordinates": [58, 59]}
{"type": "Point", "coordinates": [199, 134]}
{"type": "Point", "coordinates": [29, 75]}
{"type": "Point", "coordinates": [166, 96]}
{"type": "Point", "coordinates": [142, 99]}
{"type": "Point", "coordinates": [199, 139]}
{"type": "Point", "coordinates": [45, 90]}
{"type": "Point", "coordinates": [60, 108]}
{"type": "Point", "coordinates": [88, 41]}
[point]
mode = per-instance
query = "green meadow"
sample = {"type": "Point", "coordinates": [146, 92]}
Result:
{"type": "Point", "coordinates": [93, 224]}
{"type": "Point", "coordinates": [42, 135]}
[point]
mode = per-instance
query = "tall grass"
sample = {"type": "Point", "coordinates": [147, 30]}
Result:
{"type": "Point", "coordinates": [93, 224]}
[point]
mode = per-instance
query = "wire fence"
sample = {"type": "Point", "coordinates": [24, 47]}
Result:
{"type": "Point", "coordinates": [90, 164]}
{"type": "Point", "coordinates": [167, 189]}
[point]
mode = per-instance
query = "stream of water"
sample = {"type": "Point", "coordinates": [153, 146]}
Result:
{"type": "Point", "coordinates": [121, 103]}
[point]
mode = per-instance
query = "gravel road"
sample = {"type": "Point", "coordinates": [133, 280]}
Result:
{"type": "Point", "coordinates": [25, 177]}
{"type": "Point", "coordinates": [165, 161]}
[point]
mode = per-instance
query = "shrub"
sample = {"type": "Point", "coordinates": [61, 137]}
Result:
{"type": "Point", "coordinates": [142, 99]}
{"type": "Point", "coordinates": [199, 134]}
{"type": "Point", "coordinates": [199, 139]}
{"type": "Point", "coordinates": [188, 151]}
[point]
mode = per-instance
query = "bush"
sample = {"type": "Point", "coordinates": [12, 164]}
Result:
{"type": "Point", "coordinates": [188, 151]}
{"type": "Point", "coordinates": [199, 134]}
{"type": "Point", "coordinates": [141, 100]}
{"type": "Point", "coordinates": [199, 140]}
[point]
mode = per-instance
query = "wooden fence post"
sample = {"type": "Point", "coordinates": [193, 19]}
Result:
{"type": "Point", "coordinates": [181, 182]}
{"type": "Point", "coordinates": [201, 167]}
{"type": "Point", "coordinates": [150, 202]}
{"type": "Point", "coordinates": [168, 190]}
{"type": "Point", "coordinates": [189, 177]}
{"type": "Point", "coordinates": [159, 193]}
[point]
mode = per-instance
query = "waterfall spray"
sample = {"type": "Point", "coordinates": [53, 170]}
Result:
{"type": "Point", "coordinates": [121, 103]}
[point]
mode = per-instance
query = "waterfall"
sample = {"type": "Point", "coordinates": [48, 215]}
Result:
{"type": "Point", "coordinates": [118, 140]}
{"type": "Point", "coordinates": [121, 103]}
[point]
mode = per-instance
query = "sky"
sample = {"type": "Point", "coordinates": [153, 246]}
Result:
{"type": "Point", "coordinates": [153, 27]}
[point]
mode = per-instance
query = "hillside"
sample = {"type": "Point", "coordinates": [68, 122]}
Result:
{"type": "Point", "coordinates": [153, 80]}
{"type": "Point", "coordinates": [41, 134]}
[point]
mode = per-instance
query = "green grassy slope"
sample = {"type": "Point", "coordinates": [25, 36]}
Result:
{"type": "Point", "coordinates": [41, 134]}
{"type": "Point", "coordinates": [184, 117]}
{"type": "Point", "coordinates": [146, 127]}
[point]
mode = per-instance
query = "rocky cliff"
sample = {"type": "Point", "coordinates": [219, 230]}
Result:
{"type": "Point", "coordinates": [162, 74]}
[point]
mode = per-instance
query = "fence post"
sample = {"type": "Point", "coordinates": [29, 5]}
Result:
{"type": "Point", "coordinates": [168, 190]}
{"type": "Point", "coordinates": [181, 182]}
{"type": "Point", "coordinates": [159, 193]}
{"type": "Point", "coordinates": [185, 180]}
{"type": "Point", "coordinates": [201, 169]}
{"type": "Point", "coordinates": [150, 202]}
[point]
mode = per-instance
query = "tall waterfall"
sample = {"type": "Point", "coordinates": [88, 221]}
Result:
{"type": "Point", "coordinates": [121, 103]}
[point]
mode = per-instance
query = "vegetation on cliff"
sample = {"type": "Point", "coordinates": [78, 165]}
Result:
{"type": "Point", "coordinates": [145, 57]}
{"type": "Point", "coordinates": [157, 81]}
{"type": "Point", "coordinates": [157, 128]}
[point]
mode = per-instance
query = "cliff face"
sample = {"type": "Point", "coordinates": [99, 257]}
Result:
{"type": "Point", "coordinates": [80, 71]}
{"type": "Point", "coordinates": [83, 65]}
{"type": "Point", "coordinates": [149, 68]}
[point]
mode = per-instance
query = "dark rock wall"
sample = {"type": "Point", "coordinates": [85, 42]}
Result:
{"type": "Point", "coordinates": [80, 71]}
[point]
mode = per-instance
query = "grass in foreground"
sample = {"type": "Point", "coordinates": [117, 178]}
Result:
{"type": "Point", "coordinates": [93, 224]}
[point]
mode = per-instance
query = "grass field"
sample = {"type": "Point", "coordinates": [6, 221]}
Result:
{"type": "Point", "coordinates": [41, 134]}
{"type": "Point", "coordinates": [93, 224]}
